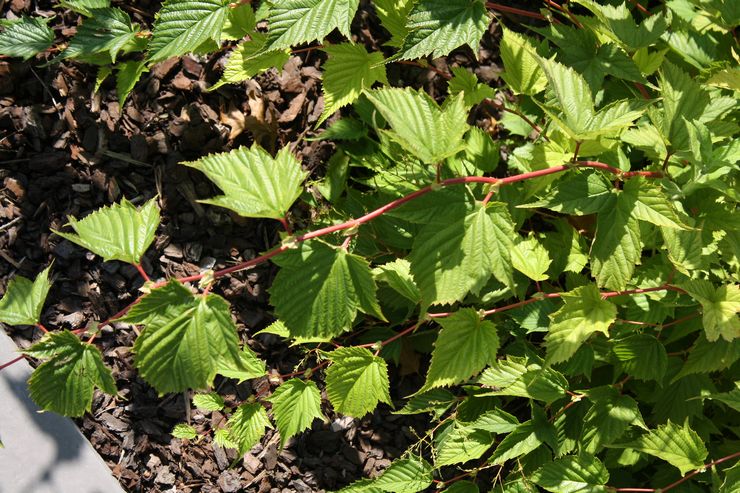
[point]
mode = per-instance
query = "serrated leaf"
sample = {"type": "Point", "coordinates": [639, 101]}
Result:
{"type": "Point", "coordinates": [642, 356]}
{"type": "Point", "coordinates": [320, 289]}
{"type": "Point", "coordinates": [186, 338]}
{"type": "Point", "coordinates": [707, 357]}
{"type": "Point", "coordinates": [583, 313]}
{"type": "Point", "coordinates": [393, 15]}
{"type": "Point", "coordinates": [239, 22]}
{"type": "Point", "coordinates": [295, 405]}
{"type": "Point", "coordinates": [623, 27]}
{"type": "Point", "coordinates": [462, 487]}
{"type": "Point", "coordinates": [65, 383]}
{"type": "Point", "coordinates": [184, 430]}
{"type": "Point", "coordinates": [652, 205]}
{"type": "Point", "coordinates": [254, 183]}
{"type": "Point", "coordinates": [720, 306]}
{"type": "Point", "coordinates": [208, 402]}
{"type": "Point", "coordinates": [405, 476]}
{"type": "Point", "coordinates": [518, 377]}
{"type": "Point", "coordinates": [127, 76]}
{"type": "Point", "coordinates": [435, 401]}
{"type": "Point", "coordinates": [183, 26]}
{"type": "Point", "coordinates": [23, 299]}
{"type": "Point", "coordinates": [361, 486]}
{"type": "Point", "coordinates": [84, 7]}
{"type": "Point", "coordinates": [294, 22]}
{"type": "Point", "coordinates": [531, 259]}
{"type": "Point", "coordinates": [249, 59]}
{"type": "Point", "coordinates": [570, 474]}
{"type": "Point", "coordinates": [349, 70]}
{"type": "Point", "coordinates": [616, 248]}
{"type": "Point", "coordinates": [449, 261]}
{"type": "Point", "coordinates": [731, 398]}
{"type": "Point", "coordinates": [25, 37]}
{"type": "Point", "coordinates": [608, 418]}
{"type": "Point", "coordinates": [680, 446]}
{"type": "Point", "coordinates": [684, 248]}
{"type": "Point", "coordinates": [397, 275]}
{"type": "Point", "coordinates": [573, 94]}
{"type": "Point", "coordinates": [222, 438]}
{"type": "Point", "coordinates": [732, 480]}
{"type": "Point", "coordinates": [247, 425]}
{"type": "Point", "coordinates": [463, 332]}
{"type": "Point", "coordinates": [246, 367]}
{"type": "Point", "coordinates": [419, 125]}
{"type": "Point", "coordinates": [683, 101]}
{"type": "Point", "coordinates": [117, 232]}
{"type": "Point", "coordinates": [467, 83]}
{"type": "Point", "coordinates": [356, 381]}
{"type": "Point", "coordinates": [522, 72]}
{"type": "Point", "coordinates": [522, 440]}
{"type": "Point", "coordinates": [436, 27]}
{"type": "Point", "coordinates": [460, 443]}
{"type": "Point", "coordinates": [580, 194]}
{"type": "Point", "coordinates": [109, 31]}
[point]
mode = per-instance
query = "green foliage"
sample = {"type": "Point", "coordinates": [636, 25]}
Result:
{"type": "Point", "coordinates": [356, 381]}
{"type": "Point", "coordinates": [249, 59]}
{"type": "Point", "coordinates": [247, 425]}
{"type": "Point", "coordinates": [25, 37]}
{"type": "Point", "coordinates": [295, 404]}
{"type": "Point", "coordinates": [572, 473]}
{"type": "Point", "coordinates": [293, 22]}
{"type": "Point", "coordinates": [183, 430]}
{"type": "Point", "coordinates": [103, 36]}
{"type": "Point", "coordinates": [23, 299]}
{"type": "Point", "coordinates": [208, 402]}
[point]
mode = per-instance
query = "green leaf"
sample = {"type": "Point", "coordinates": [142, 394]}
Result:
{"type": "Point", "coordinates": [183, 26]}
{"type": "Point", "coordinates": [239, 22]}
{"type": "Point", "coordinates": [460, 443]}
{"type": "Point", "coordinates": [109, 31]}
{"type": "Point", "coordinates": [222, 438]}
{"type": "Point", "coordinates": [397, 275]}
{"type": "Point", "coordinates": [617, 247]}
{"type": "Point", "coordinates": [320, 289]}
{"type": "Point", "coordinates": [295, 405]}
{"type": "Point", "coordinates": [642, 356]}
{"type": "Point", "coordinates": [117, 232]}
{"type": "Point", "coordinates": [246, 367]}
{"type": "Point", "coordinates": [356, 381]}
{"type": "Point", "coordinates": [294, 22]}
{"type": "Point", "coordinates": [652, 205]}
{"type": "Point", "coordinates": [522, 72]}
{"type": "Point", "coordinates": [707, 357]}
{"type": "Point", "coordinates": [580, 194]}
{"type": "Point", "coordinates": [619, 20]}
{"type": "Point", "coordinates": [247, 425]}
{"type": "Point", "coordinates": [531, 258]}
{"type": "Point", "coordinates": [23, 300]}
{"type": "Point", "coordinates": [680, 446]}
{"type": "Point", "coordinates": [436, 27]}
{"type": "Point", "coordinates": [393, 15]}
{"type": "Point", "coordinates": [462, 487]}
{"type": "Point", "coordinates": [349, 70]}
{"type": "Point", "coordinates": [435, 401]}
{"type": "Point", "coordinates": [208, 402]}
{"type": "Point", "coordinates": [518, 377]}
{"type": "Point", "coordinates": [608, 419]}
{"type": "Point", "coordinates": [65, 383]}
{"type": "Point", "coordinates": [449, 261]}
{"type": "Point", "coordinates": [463, 332]}
{"type": "Point", "coordinates": [183, 430]}
{"type": "Point", "coordinates": [84, 7]}
{"type": "Point", "coordinates": [572, 474]}
{"type": "Point", "coordinates": [127, 76]}
{"type": "Point", "coordinates": [683, 101]}
{"type": "Point", "coordinates": [467, 83]}
{"type": "Point", "coordinates": [186, 338]}
{"type": "Point", "coordinates": [522, 440]}
{"type": "Point", "coordinates": [720, 306]}
{"type": "Point", "coordinates": [684, 248]}
{"type": "Point", "coordinates": [731, 398]}
{"type": "Point", "coordinates": [732, 479]}
{"type": "Point", "coordinates": [572, 93]}
{"type": "Point", "coordinates": [405, 476]}
{"type": "Point", "coordinates": [254, 183]}
{"type": "Point", "coordinates": [582, 314]}
{"type": "Point", "coordinates": [419, 125]}
{"type": "Point", "coordinates": [495, 421]}
{"type": "Point", "coordinates": [249, 59]}
{"type": "Point", "coordinates": [25, 37]}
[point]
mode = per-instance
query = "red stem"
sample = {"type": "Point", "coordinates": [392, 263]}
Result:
{"type": "Point", "coordinates": [513, 10]}
{"type": "Point", "coordinates": [42, 328]}
{"type": "Point", "coordinates": [142, 272]}
{"type": "Point", "coordinates": [286, 225]}
{"type": "Point", "coordinates": [12, 362]}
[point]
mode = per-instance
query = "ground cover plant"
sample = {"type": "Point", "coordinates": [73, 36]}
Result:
{"type": "Point", "coordinates": [567, 287]}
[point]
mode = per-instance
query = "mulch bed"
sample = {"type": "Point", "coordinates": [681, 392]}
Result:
{"type": "Point", "coordinates": [66, 150]}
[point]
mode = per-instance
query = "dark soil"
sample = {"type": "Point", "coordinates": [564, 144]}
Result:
{"type": "Point", "coordinates": [65, 150]}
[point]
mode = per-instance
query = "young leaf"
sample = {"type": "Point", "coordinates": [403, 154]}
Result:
{"type": "Point", "coordinates": [460, 443]}
{"type": "Point", "coordinates": [516, 376]}
{"type": "Point", "coordinates": [617, 247]}
{"type": "Point", "coordinates": [247, 425]}
{"type": "Point", "coordinates": [405, 476]}
{"type": "Point", "coordinates": [397, 275]}
{"type": "Point", "coordinates": [127, 76]}
{"type": "Point", "coordinates": [208, 402]}
{"type": "Point", "coordinates": [25, 37]}
{"type": "Point", "coordinates": [436, 27]}
{"type": "Point", "coordinates": [467, 83]}
{"type": "Point", "coordinates": [23, 300]}
{"type": "Point", "coordinates": [522, 72]}
{"type": "Point", "coordinates": [109, 31]}
{"type": "Point", "coordinates": [419, 125]}
{"type": "Point", "coordinates": [680, 446]}
{"type": "Point", "coordinates": [183, 26]}
{"type": "Point", "coordinates": [531, 258]}
{"type": "Point", "coordinates": [254, 183]}
{"type": "Point", "coordinates": [683, 101]}
{"type": "Point", "coordinates": [239, 22]}
{"type": "Point", "coordinates": [608, 419]}
{"type": "Point", "coordinates": [582, 314]}
{"type": "Point", "coordinates": [570, 474]}
{"type": "Point", "coordinates": [249, 59]}
{"type": "Point", "coordinates": [720, 306]}
{"type": "Point", "coordinates": [356, 381]}
{"type": "Point", "coordinates": [320, 289]}
{"type": "Point", "coordinates": [450, 261]}
{"type": "Point", "coordinates": [652, 205]}
{"type": "Point", "coordinates": [463, 332]}
{"type": "Point", "coordinates": [246, 367]}
{"type": "Point", "coordinates": [642, 356]}
{"type": "Point", "coordinates": [294, 22]}
{"type": "Point", "coordinates": [184, 430]}
{"type": "Point", "coordinates": [295, 404]}
{"type": "Point", "coordinates": [117, 232]}
{"type": "Point", "coordinates": [349, 70]}
{"type": "Point", "coordinates": [573, 95]}
{"type": "Point", "coordinates": [186, 338]}
{"type": "Point", "coordinates": [523, 439]}
{"type": "Point", "coordinates": [624, 30]}
{"type": "Point", "coordinates": [393, 15]}
{"type": "Point", "coordinates": [65, 383]}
